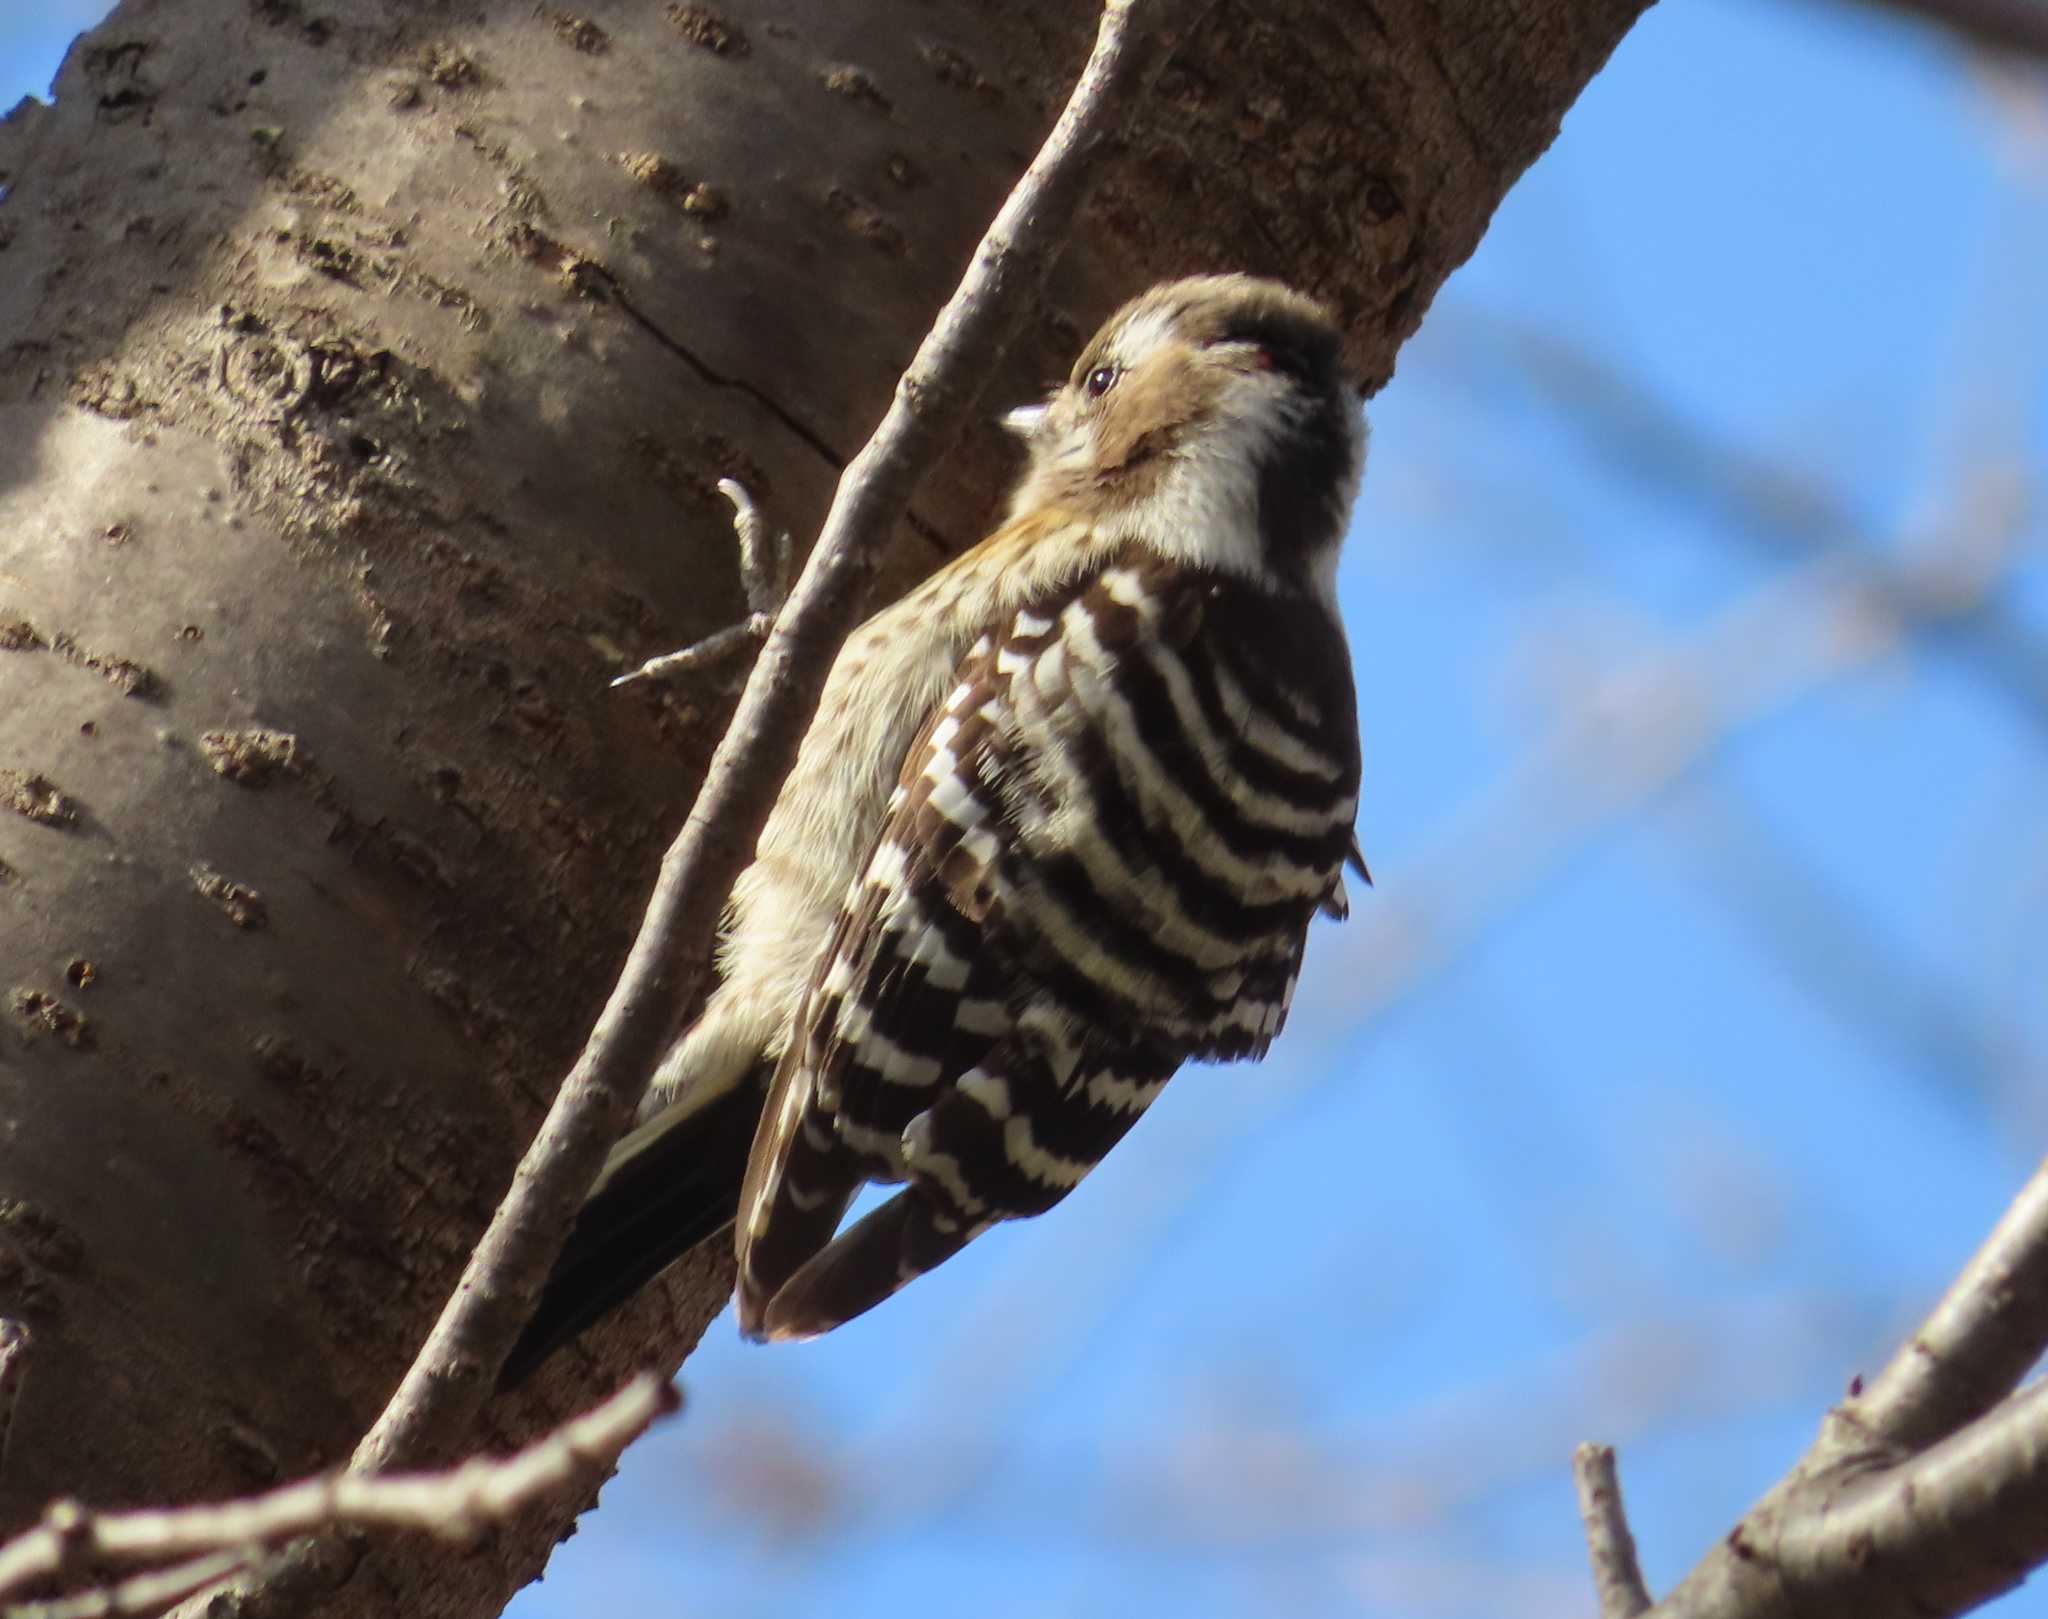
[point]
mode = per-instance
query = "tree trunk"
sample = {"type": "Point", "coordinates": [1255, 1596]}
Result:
{"type": "Point", "coordinates": [365, 376]}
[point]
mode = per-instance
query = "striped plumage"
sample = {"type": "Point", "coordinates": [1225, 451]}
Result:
{"type": "Point", "coordinates": [1100, 861]}
{"type": "Point", "coordinates": [1060, 826]}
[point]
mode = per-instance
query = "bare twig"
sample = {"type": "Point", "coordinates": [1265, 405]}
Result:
{"type": "Point", "coordinates": [1953, 1527]}
{"type": "Point", "coordinates": [1925, 1494]}
{"type": "Point", "coordinates": [16, 1341]}
{"type": "Point", "coordinates": [140, 1594]}
{"type": "Point", "coordinates": [1616, 1575]}
{"type": "Point", "coordinates": [184, 1549]}
{"type": "Point", "coordinates": [1936, 1535]}
{"type": "Point", "coordinates": [714, 648]}
{"type": "Point", "coordinates": [1989, 1328]}
{"type": "Point", "coordinates": [764, 575]}
{"type": "Point", "coordinates": [764, 563]}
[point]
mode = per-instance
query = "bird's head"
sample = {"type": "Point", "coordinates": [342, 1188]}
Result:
{"type": "Point", "coordinates": [1211, 418]}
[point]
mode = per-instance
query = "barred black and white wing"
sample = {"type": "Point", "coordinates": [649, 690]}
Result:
{"type": "Point", "coordinates": [1100, 861]}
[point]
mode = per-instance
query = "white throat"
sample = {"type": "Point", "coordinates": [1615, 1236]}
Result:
{"type": "Point", "coordinates": [1205, 509]}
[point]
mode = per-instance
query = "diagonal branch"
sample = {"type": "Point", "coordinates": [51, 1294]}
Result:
{"type": "Point", "coordinates": [448, 1381]}
{"type": "Point", "coordinates": [456, 1367]}
{"type": "Point", "coordinates": [1936, 1535]}
{"type": "Point", "coordinates": [1951, 1528]}
{"type": "Point", "coordinates": [1926, 1493]}
{"type": "Point", "coordinates": [1988, 1329]}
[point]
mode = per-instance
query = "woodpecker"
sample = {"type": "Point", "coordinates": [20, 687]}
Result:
{"type": "Point", "coordinates": [1059, 827]}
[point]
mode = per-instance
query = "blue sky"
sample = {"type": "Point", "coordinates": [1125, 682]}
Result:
{"type": "Point", "coordinates": [1693, 1034]}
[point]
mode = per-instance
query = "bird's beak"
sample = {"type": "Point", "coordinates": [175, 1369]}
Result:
{"type": "Point", "coordinates": [1026, 420]}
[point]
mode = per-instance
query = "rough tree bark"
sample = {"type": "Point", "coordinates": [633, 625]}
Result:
{"type": "Point", "coordinates": [365, 376]}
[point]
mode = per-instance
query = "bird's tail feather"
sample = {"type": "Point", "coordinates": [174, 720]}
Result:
{"type": "Point", "coordinates": [668, 1185]}
{"type": "Point", "coordinates": [880, 1253]}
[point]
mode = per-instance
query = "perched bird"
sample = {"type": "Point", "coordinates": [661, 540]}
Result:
{"type": "Point", "coordinates": [1059, 826]}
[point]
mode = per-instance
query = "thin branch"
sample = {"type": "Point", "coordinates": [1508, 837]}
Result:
{"type": "Point", "coordinates": [447, 1383]}
{"type": "Point", "coordinates": [454, 1370]}
{"type": "Point", "coordinates": [1989, 1328]}
{"type": "Point", "coordinates": [764, 576]}
{"type": "Point", "coordinates": [141, 1594]}
{"type": "Point", "coordinates": [764, 561]}
{"type": "Point", "coordinates": [1617, 1576]}
{"type": "Point", "coordinates": [1937, 1535]}
{"type": "Point", "coordinates": [16, 1342]}
{"type": "Point", "coordinates": [716, 647]}
{"type": "Point", "coordinates": [1871, 1518]}
{"type": "Point", "coordinates": [183, 1549]}
{"type": "Point", "coordinates": [1925, 1494]}
{"type": "Point", "coordinates": [1944, 1532]}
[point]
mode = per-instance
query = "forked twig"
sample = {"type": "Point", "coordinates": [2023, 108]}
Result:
{"type": "Point", "coordinates": [180, 1550]}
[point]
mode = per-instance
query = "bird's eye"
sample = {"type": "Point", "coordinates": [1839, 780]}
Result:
{"type": "Point", "coordinates": [1100, 381]}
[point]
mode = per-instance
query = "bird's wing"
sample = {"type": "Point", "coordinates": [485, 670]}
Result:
{"type": "Point", "coordinates": [1100, 860]}
{"type": "Point", "coordinates": [667, 1186]}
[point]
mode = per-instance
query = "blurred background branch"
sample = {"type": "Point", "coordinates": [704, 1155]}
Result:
{"type": "Point", "coordinates": [2014, 27]}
